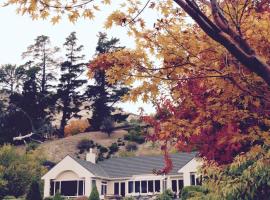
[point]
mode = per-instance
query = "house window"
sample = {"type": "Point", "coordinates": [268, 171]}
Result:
{"type": "Point", "coordinates": [68, 188]}
{"type": "Point", "coordinates": [192, 179]}
{"type": "Point", "coordinates": [57, 187]}
{"type": "Point", "coordinates": [94, 183]}
{"type": "Point", "coordinates": [180, 185]}
{"type": "Point", "coordinates": [130, 187]}
{"type": "Point", "coordinates": [51, 188]}
{"type": "Point", "coordinates": [103, 188]}
{"type": "Point", "coordinates": [199, 180]}
{"type": "Point", "coordinates": [150, 186]}
{"type": "Point", "coordinates": [116, 188]}
{"type": "Point", "coordinates": [157, 186]}
{"type": "Point", "coordinates": [123, 189]}
{"type": "Point", "coordinates": [144, 186]}
{"type": "Point", "coordinates": [137, 186]}
{"type": "Point", "coordinates": [174, 185]}
{"type": "Point", "coordinates": [81, 188]}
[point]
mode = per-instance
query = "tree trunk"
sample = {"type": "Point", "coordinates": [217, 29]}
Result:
{"type": "Point", "coordinates": [221, 32]}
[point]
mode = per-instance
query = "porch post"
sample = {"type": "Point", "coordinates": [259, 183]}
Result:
{"type": "Point", "coordinates": [186, 178]}
{"type": "Point", "coordinates": [46, 187]}
{"type": "Point", "coordinates": [77, 187]}
{"type": "Point", "coordinates": [88, 186]}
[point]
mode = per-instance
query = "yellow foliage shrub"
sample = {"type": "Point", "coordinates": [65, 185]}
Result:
{"type": "Point", "coordinates": [75, 127]}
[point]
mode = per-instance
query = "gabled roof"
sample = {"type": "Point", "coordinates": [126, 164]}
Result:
{"type": "Point", "coordinates": [130, 166]}
{"type": "Point", "coordinates": [93, 168]}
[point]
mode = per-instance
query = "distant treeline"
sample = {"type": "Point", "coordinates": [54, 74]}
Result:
{"type": "Point", "coordinates": [34, 93]}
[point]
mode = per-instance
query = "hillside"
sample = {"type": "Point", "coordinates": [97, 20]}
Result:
{"type": "Point", "coordinates": [57, 149]}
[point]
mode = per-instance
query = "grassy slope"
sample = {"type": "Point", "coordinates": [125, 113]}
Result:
{"type": "Point", "coordinates": [57, 149]}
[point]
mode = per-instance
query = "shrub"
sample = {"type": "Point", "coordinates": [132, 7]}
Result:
{"type": "Point", "coordinates": [34, 192]}
{"type": "Point", "coordinates": [129, 198]}
{"type": "Point", "coordinates": [85, 145]}
{"type": "Point", "coordinates": [103, 149]}
{"type": "Point", "coordinates": [131, 146]}
{"type": "Point", "coordinates": [31, 146]}
{"type": "Point", "coordinates": [76, 126]}
{"type": "Point", "coordinates": [113, 148]}
{"type": "Point", "coordinates": [17, 170]}
{"type": "Point", "coordinates": [58, 196]}
{"type": "Point", "coordinates": [81, 198]}
{"type": "Point", "coordinates": [166, 195]}
{"type": "Point", "coordinates": [94, 194]}
{"type": "Point", "coordinates": [191, 191]}
{"type": "Point", "coordinates": [107, 126]}
{"type": "Point", "coordinates": [134, 136]}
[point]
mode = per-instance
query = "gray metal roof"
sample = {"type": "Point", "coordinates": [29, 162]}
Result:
{"type": "Point", "coordinates": [93, 168]}
{"type": "Point", "coordinates": [129, 166]}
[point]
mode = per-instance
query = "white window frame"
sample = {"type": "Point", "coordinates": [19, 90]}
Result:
{"type": "Point", "coordinates": [60, 184]}
{"type": "Point", "coordinates": [104, 185]}
{"type": "Point", "coordinates": [134, 193]}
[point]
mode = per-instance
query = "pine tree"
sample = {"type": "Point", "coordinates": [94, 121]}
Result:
{"type": "Point", "coordinates": [103, 94]}
{"type": "Point", "coordinates": [34, 192]}
{"type": "Point", "coordinates": [42, 56]}
{"type": "Point", "coordinates": [29, 104]}
{"type": "Point", "coordinates": [11, 77]}
{"type": "Point", "coordinates": [94, 194]}
{"type": "Point", "coordinates": [70, 99]}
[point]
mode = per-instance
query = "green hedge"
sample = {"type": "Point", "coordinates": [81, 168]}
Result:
{"type": "Point", "coordinates": [192, 191]}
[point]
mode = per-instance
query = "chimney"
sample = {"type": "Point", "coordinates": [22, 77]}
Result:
{"type": "Point", "coordinates": [91, 156]}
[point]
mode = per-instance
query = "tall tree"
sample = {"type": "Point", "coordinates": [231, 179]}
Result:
{"type": "Point", "coordinates": [30, 103]}
{"type": "Point", "coordinates": [103, 94]}
{"type": "Point", "coordinates": [68, 92]}
{"type": "Point", "coordinates": [42, 55]}
{"type": "Point", "coordinates": [11, 77]}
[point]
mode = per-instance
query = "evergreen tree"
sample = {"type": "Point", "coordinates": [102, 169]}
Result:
{"type": "Point", "coordinates": [94, 194]}
{"type": "Point", "coordinates": [34, 192]}
{"type": "Point", "coordinates": [107, 126]}
{"type": "Point", "coordinates": [11, 77]}
{"type": "Point", "coordinates": [42, 56]}
{"type": "Point", "coordinates": [70, 98]}
{"type": "Point", "coordinates": [29, 105]}
{"type": "Point", "coordinates": [103, 94]}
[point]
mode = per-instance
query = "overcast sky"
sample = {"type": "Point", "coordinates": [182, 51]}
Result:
{"type": "Point", "coordinates": [18, 32]}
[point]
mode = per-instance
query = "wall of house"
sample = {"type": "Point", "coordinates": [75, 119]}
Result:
{"type": "Point", "coordinates": [67, 175]}
{"type": "Point", "coordinates": [66, 170]}
{"type": "Point", "coordinates": [191, 167]}
{"type": "Point", "coordinates": [110, 185]}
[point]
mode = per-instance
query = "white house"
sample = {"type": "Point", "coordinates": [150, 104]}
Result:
{"type": "Point", "coordinates": [128, 176]}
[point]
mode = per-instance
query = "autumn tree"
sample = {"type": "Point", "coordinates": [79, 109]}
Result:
{"type": "Point", "coordinates": [70, 98]}
{"type": "Point", "coordinates": [220, 20]}
{"type": "Point", "coordinates": [208, 78]}
{"type": "Point", "coordinates": [104, 94]}
{"type": "Point", "coordinates": [42, 55]}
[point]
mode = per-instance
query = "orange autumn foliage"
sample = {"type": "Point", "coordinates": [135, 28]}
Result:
{"type": "Point", "coordinates": [75, 127]}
